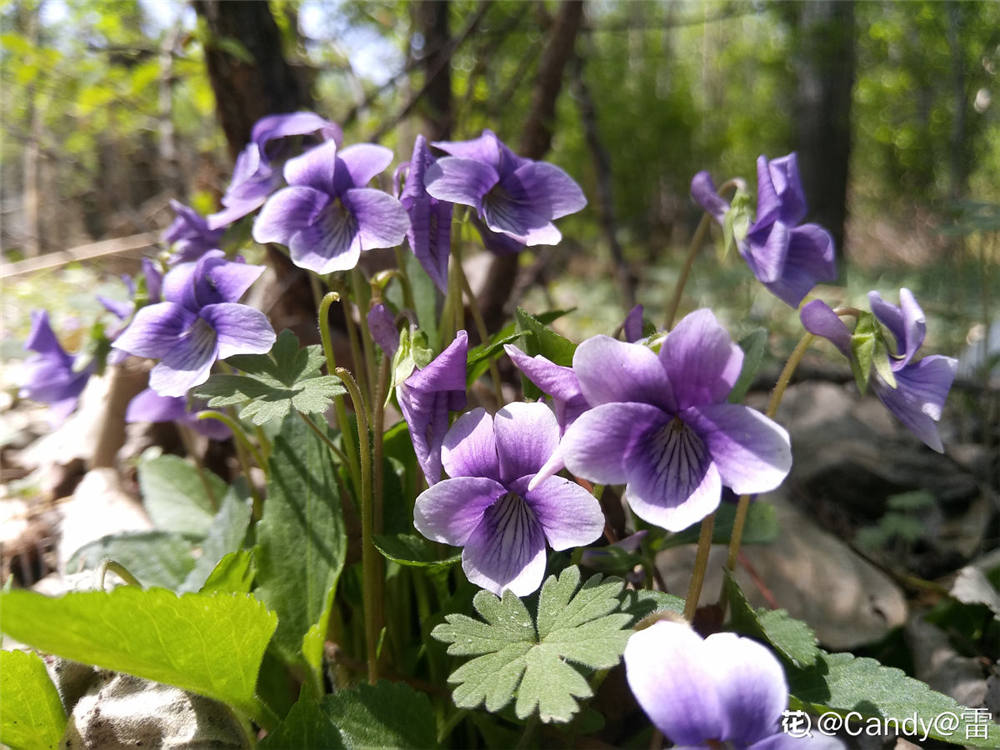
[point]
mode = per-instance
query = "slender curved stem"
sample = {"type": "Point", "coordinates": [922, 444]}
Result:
{"type": "Point", "coordinates": [700, 567]}
{"type": "Point", "coordinates": [324, 437]}
{"type": "Point", "coordinates": [404, 278]}
{"type": "Point", "coordinates": [369, 562]}
{"type": "Point", "coordinates": [361, 291]}
{"type": "Point", "coordinates": [743, 507]}
{"type": "Point", "coordinates": [110, 566]}
{"type": "Point", "coordinates": [696, 242]}
{"type": "Point", "coordinates": [378, 430]}
{"type": "Point", "coordinates": [338, 401]}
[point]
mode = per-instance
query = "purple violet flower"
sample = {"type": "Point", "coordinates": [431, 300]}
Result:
{"type": "Point", "coordinates": [429, 235]}
{"type": "Point", "coordinates": [632, 327]}
{"type": "Point", "coordinates": [254, 175]}
{"type": "Point", "coordinates": [661, 424]}
{"type": "Point", "coordinates": [426, 397]}
{"type": "Point", "coordinates": [327, 216]}
{"type": "Point", "coordinates": [788, 259]}
{"type": "Point", "coordinates": [49, 376]}
{"type": "Point", "coordinates": [198, 322]}
{"type": "Point", "coordinates": [921, 387]}
{"type": "Point", "coordinates": [190, 234]}
{"type": "Point", "coordinates": [514, 197]}
{"type": "Point", "coordinates": [723, 690]}
{"type": "Point", "coordinates": [487, 508]}
{"type": "Point", "coordinates": [150, 406]}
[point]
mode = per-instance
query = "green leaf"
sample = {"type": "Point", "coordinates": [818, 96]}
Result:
{"type": "Point", "coordinates": [862, 687]}
{"type": "Point", "coordinates": [225, 535]}
{"type": "Point", "coordinates": [387, 714]}
{"type": "Point", "coordinates": [156, 558]}
{"type": "Point", "coordinates": [481, 355]}
{"type": "Point", "coordinates": [176, 497]}
{"type": "Point", "coordinates": [754, 346]}
{"type": "Point", "coordinates": [209, 644]}
{"type": "Point", "coordinates": [863, 342]}
{"type": "Point", "coordinates": [412, 551]}
{"type": "Point", "coordinates": [306, 727]}
{"type": "Point", "coordinates": [578, 629]}
{"type": "Point", "coordinates": [791, 638]}
{"type": "Point", "coordinates": [761, 527]}
{"type": "Point", "coordinates": [425, 296]}
{"type": "Point", "coordinates": [32, 717]}
{"type": "Point", "coordinates": [301, 542]}
{"type": "Point", "coordinates": [286, 378]}
{"type": "Point", "coordinates": [736, 223]}
{"type": "Point", "coordinates": [233, 575]}
{"type": "Point", "coordinates": [543, 340]}
{"type": "Point", "coordinates": [643, 603]}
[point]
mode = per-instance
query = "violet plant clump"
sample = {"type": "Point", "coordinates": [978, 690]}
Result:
{"type": "Point", "coordinates": [339, 540]}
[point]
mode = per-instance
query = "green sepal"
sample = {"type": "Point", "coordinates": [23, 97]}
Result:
{"type": "Point", "coordinates": [736, 223]}
{"type": "Point", "coordinates": [863, 344]}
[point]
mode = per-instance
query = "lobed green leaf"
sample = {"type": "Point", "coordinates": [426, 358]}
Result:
{"type": "Point", "coordinates": [32, 716]}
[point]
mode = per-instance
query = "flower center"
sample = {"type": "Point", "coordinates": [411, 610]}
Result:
{"type": "Point", "coordinates": [511, 518]}
{"type": "Point", "coordinates": [678, 457]}
{"type": "Point", "coordinates": [339, 225]}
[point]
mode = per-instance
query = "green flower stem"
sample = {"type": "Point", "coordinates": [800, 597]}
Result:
{"type": "Point", "coordinates": [357, 355]}
{"type": "Point", "coordinates": [371, 584]}
{"type": "Point", "coordinates": [361, 290]}
{"type": "Point", "coordinates": [378, 435]}
{"type": "Point", "coordinates": [477, 316]}
{"type": "Point", "coordinates": [696, 242]}
{"type": "Point", "coordinates": [700, 567]}
{"type": "Point", "coordinates": [338, 401]}
{"type": "Point", "coordinates": [408, 299]}
{"type": "Point", "coordinates": [110, 566]}
{"type": "Point", "coordinates": [772, 408]}
{"type": "Point", "coordinates": [242, 439]}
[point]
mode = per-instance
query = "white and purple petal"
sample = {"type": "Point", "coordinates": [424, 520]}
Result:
{"type": "Point", "coordinates": [316, 169]}
{"type": "Point", "coordinates": [188, 362]}
{"type": "Point", "coordinates": [783, 174]}
{"type": "Point", "coordinates": [810, 260]}
{"type": "Point", "coordinates": [615, 371]}
{"type": "Point", "coordinates": [446, 372]}
{"type": "Point", "coordinates": [751, 687]}
{"type": "Point", "coordinates": [526, 436]}
{"type": "Point", "coordinates": [155, 330]}
{"type": "Point", "coordinates": [240, 329]}
{"type": "Point", "coordinates": [452, 509]}
{"type": "Point", "coordinates": [596, 445]}
{"type": "Point", "coordinates": [363, 161]}
{"type": "Point", "coordinates": [381, 219]}
{"type": "Point", "coordinates": [672, 480]}
{"type": "Point", "coordinates": [426, 415]}
{"type": "Point", "coordinates": [485, 148]}
{"type": "Point", "coordinates": [548, 188]}
{"type": "Point", "coordinates": [705, 195]}
{"type": "Point", "coordinates": [701, 360]}
{"type": "Point", "coordinates": [766, 249]}
{"type": "Point", "coordinates": [752, 453]}
{"type": "Point", "coordinates": [906, 323]}
{"type": "Point", "coordinates": [557, 381]}
{"type": "Point", "coordinates": [287, 213]}
{"type": "Point", "coordinates": [570, 516]}
{"type": "Point", "coordinates": [919, 396]}
{"type": "Point", "coordinates": [668, 670]}
{"type": "Point", "coordinates": [507, 549]}
{"type": "Point", "coordinates": [459, 180]}
{"type": "Point", "coordinates": [429, 235]}
{"type": "Point", "coordinates": [470, 447]}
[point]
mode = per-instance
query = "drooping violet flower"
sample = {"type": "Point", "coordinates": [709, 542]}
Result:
{"type": "Point", "coordinates": [487, 508]}
{"type": "Point", "coordinates": [327, 216]}
{"type": "Point", "coordinates": [429, 235]}
{"type": "Point", "coordinates": [787, 258]}
{"type": "Point", "coordinates": [190, 234]}
{"type": "Point", "coordinates": [427, 396]}
{"type": "Point", "coordinates": [632, 327]}
{"type": "Point", "coordinates": [150, 406]}
{"type": "Point", "coordinates": [514, 197]}
{"type": "Point", "coordinates": [661, 424]}
{"type": "Point", "coordinates": [921, 387]}
{"type": "Point", "coordinates": [382, 327]}
{"type": "Point", "coordinates": [256, 175]}
{"type": "Point", "coordinates": [723, 691]}
{"type": "Point", "coordinates": [49, 375]}
{"type": "Point", "coordinates": [198, 322]}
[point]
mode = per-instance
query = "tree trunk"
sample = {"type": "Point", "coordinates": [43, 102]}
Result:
{"type": "Point", "coordinates": [536, 138]}
{"type": "Point", "coordinates": [246, 90]}
{"type": "Point", "coordinates": [432, 22]}
{"type": "Point", "coordinates": [826, 60]}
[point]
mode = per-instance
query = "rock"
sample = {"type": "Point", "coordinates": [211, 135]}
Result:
{"type": "Point", "coordinates": [98, 507]}
{"type": "Point", "coordinates": [122, 711]}
{"type": "Point", "coordinates": [811, 573]}
{"type": "Point", "coordinates": [940, 666]}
